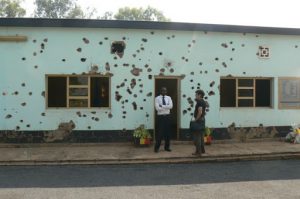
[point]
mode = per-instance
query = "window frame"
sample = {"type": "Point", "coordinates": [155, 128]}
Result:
{"type": "Point", "coordinates": [68, 86]}
{"type": "Point", "coordinates": [237, 88]}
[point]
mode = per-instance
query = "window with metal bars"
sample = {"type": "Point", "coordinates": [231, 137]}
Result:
{"type": "Point", "coordinates": [245, 92]}
{"type": "Point", "coordinates": [78, 91]}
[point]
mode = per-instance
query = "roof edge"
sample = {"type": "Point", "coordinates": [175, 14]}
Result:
{"type": "Point", "coordinates": [180, 26]}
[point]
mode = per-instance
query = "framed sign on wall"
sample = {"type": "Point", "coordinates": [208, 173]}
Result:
{"type": "Point", "coordinates": [289, 92]}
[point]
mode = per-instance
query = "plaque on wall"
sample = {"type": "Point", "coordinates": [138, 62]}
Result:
{"type": "Point", "coordinates": [289, 93]}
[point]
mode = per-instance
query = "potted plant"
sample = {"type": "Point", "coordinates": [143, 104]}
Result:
{"type": "Point", "coordinates": [207, 136]}
{"type": "Point", "coordinates": [141, 136]}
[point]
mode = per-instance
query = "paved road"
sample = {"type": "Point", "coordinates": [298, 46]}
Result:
{"type": "Point", "coordinates": [253, 179]}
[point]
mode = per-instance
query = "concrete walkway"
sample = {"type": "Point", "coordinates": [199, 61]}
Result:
{"type": "Point", "coordinates": [126, 153]}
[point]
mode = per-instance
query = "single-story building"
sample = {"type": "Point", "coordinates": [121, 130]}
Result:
{"type": "Point", "coordinates": [95, 80]}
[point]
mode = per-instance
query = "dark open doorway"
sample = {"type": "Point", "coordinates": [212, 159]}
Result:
{"type": "Point", "coordinates": [172, 85]}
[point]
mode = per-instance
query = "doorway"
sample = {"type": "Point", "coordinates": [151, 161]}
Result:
{"type": "Point", "coordinates": [172, 85]}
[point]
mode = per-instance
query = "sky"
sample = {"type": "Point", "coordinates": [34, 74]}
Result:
{"type": "Point", "coordinates": [272, 13]}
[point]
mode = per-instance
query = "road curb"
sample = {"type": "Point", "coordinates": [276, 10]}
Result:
{"type": "Point", "coordinates": [172, 160]}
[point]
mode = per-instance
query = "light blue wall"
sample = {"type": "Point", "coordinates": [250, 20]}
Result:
{"type": "Point", "coordinates": [63, 42]}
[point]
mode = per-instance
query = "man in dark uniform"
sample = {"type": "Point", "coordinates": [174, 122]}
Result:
{"type": "Point", "coordinates": [163, 105]}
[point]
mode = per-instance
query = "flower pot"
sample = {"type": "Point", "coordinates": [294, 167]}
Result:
{"type": "Point", "coordinates": [207, 140]}
{"type": "Point", "coordinates": [142, 141]}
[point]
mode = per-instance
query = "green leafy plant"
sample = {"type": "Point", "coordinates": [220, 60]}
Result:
{"type": "Point", "coordinates": [207, 131]}
{"type": "Point", "coordinates": [141, 132]}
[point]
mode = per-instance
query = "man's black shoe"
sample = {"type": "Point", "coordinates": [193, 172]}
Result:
{"type": "Point", "coordinates": [168, 150]}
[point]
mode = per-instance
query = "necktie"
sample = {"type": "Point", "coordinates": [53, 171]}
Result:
{"type": "Point", "coordinates": [163, 100]}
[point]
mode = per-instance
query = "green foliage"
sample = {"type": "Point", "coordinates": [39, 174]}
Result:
{"type": "Point", "coordinates": [61, 9]}
{"type": "Point", "coordinates": [140, 14]}
{"type": "Point", "coordinates": [141, 132]}
{"type": "Point", "coordinates": [11, 8]}
{"type": "Point", "coordinates": [207, 131]}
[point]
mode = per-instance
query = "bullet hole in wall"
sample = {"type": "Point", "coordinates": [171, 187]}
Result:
{"type": "Point", "coordinates": [172, 70]}
{"type": "Point", "coordinates": [183, 58]}
{"type": "Point", "coordinates": [191, 80]}
{"type": "Point", "coordinates": [115, 58]}
{"type": "Point", "coordinates": [224, 45]}
{"type": "Point", "coordinates": [168, 37]}
{"type": "Point", "coordinates": [144, 100]}
{"type": "Point", "coordinates": [63, 60]}
{"type": "Point", "coordinates": [100, 43]}
{"type": "Point", "coordinates": [134, 55]}
{"type": "Point", "coordinates": [34, 54]}
{"type": "Point", "coordinates": [93, 112]}
{"type": "Point", "coordinates": [110, 115]}
{"type": "Point", "coordinates": [23, 58]}
{"type": "Point", "coordinates": [21, 121]}
{"type": "Point", "coordinates": [200, 63]}
{"type": "Point", "coordinates": [149, 94]}
{"type": "Point", "coordinates": [96, 119]}
{"type": "Point", "coordinates": [42, 46]}
{"type": "Point", "coordinates": [186, 60]}
{"type": "Point", "coordinates": [105, 38]}
{"type": "Point", "coordinates": [141, 108]}
{"type": "Point", "coordinates": [43, 114]}
{"type": "Point", "coordinates": [34, 41]}
{"type": "Point", "coordinates": [224, 64]}
{"type": "Point", "coordinates": [244, 73]}
{"type": "Point", "coordinates": [28, 125]}
{"type": "Point", "coordinates": [118, 97]}
{"type": "Point", "coordinates": [233, 49]}
{"type": "Point", "coordinates": [192, 73]}
{"type": "Point", "coordinates": [17, 128]}
{"type": "Point", "coordinates": [205, 72]}
{"type": "Point", "coordinates": [149, 76]}
{"type": "Point", "coordinates": [89, 127]}
{"type": "Point", "coordinates": [136, 71]}
{"type": "Point", "coordinates": [211, 93]}
{"type": "Point", "coordinates": [160, 53]}
{"type": "Point", "coordinates": [36, 66]}
{"type": "Point", "coordinates": [23, 84]}
{"type": "Point", "coordinates": [184, 112]}
{"type": "Point", "coordinates": [107, 66]}
{"type": "Point", "coordinates": [133, 83]}
{"type": "Point", "coordinates": [184, 96]}
{"type": "Point", "coordinates": [43, 93]}
{"type": "Point", "coordinates": [118, 47]}
{"type": "Point", "coordinates": [134, 105]}
{"type": "Point", "coordinates": [144, 40]}
{"type": "Point", "coordinates": [45, 40]}
{"type": "Point", "coordinates": [152, 33]}
{"type": "Point", "coordinates": [85, 40]}
{"type": "Point", "coordinates": [189, 45]}
{"type": "Point", "coordinates": [8, 116]}
{"type": "Point", "coordinates": [129, 91]}
{"type": "Point", "coordinates": [212, 84]}
{"type": "Point", "coordinates": [79, 49]}
{"type": "Point", "coordinates": [231, 59]}
{"type": "Point", "coordinates": [78, 113]}
{"type": "Point", "coordinates": [125, 65]}
{"type": "Point", "coordinates": [173, 36]}
{"type": "Point", "coordinates": [217, 70]}
{"type": "Point", "coordinates": [149, 70]}
{"type": "Point", "coordinates": [217, 59]}
{"type": "Point", "coordinates": [162, 70]}
{"type": "Point", "coordinates": [83, 59]}
{"type": "Point", "coordinates": [23, 104]}
{"type": "Point", "coordinates": [116, 65]}
{"type": "Point", "coordinates": [243, 45]}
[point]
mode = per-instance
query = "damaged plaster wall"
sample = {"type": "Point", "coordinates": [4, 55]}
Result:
{"type": "Point", "coordinates": [201, 58]}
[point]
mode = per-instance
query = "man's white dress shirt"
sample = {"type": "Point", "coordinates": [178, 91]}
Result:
{"type": "Point", "coordinates": [163, 109]}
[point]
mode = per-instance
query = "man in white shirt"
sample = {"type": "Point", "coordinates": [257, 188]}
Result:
{"type": "Point", "coordinates": [163, 105]}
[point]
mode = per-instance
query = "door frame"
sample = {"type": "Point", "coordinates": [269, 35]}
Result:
{"type": "Point", "coordinates": [178, 78]}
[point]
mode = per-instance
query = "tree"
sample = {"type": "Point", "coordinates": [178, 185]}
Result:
{"type": "Point", "coordinates": [107, 16]}
{"type": "Point", "coordinates": [61, 9]}
{"type": "Point", "coordinates": [11, 8]}
{"type": "Point", "coordinates": [140, 14]}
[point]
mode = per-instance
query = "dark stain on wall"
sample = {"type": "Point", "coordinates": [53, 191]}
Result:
{"type": "Point", "coordinates": [134, 106]}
